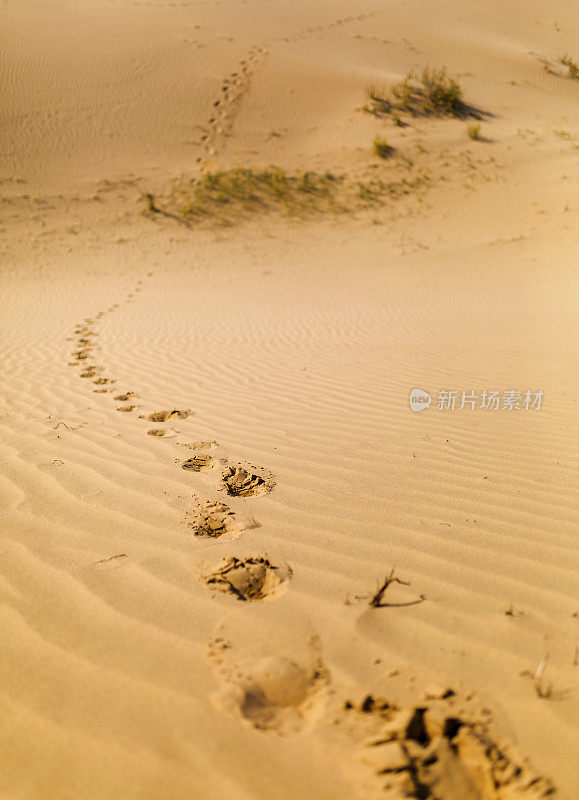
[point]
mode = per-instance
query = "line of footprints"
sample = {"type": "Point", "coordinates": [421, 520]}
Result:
{"type": "Point", "coordinates": [247, 579]}
{"type": "Point", "coordinates": [233, 88]}
{"type": "Point", "coordinates": [419, 752]}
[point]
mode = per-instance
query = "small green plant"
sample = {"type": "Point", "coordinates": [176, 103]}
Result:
{"type": "Point", "coordinates": [572, 66]}
{"type": "Point", "coordinates": [473, 132]}
{"type": "Point", "coordinates": [382, 149]}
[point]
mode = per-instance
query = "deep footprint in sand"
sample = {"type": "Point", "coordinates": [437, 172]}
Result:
{"type": "Point", "coordinates": [163, 416]}
{"type": "Point", "coordinates": [214, 519]}
{"type": "Point", "coordinates": [250, 578]}
{"type": "Point", "coordinates": [274, 693]}
{"type": "Point", "coordinates": [431, 751]}
{"type": "Point", "coordinates": [166, 433]}
{"type": "Point", "coordinates": [104, 381]}
{"type": "Point", "coordinates": [239, 482]}
{"type": "Point", "coordinates": [122, 398]}
{"type": "Point", "coordinates": [126, 409]}
{"type": "Point", "coordinates": [199, 463]}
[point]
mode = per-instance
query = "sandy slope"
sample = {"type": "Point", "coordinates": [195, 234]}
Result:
{"type": "Point", "coordinates": [122, 673]}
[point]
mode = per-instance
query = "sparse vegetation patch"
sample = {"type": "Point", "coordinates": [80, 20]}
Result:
{"type": "Point", "coordinates": [572, 66]}
{"type": "Point", "coordinates": [228, 195]}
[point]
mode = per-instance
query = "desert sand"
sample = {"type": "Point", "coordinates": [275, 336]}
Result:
{"type": "Point", "coordinates": [187, 616]}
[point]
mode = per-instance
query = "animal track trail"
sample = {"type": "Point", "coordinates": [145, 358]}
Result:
{"type": "Point", "coordinates": [226, 106]}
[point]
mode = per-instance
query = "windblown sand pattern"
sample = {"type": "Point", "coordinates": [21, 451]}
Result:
{"type": "Point", "coordinates": [128, 538]}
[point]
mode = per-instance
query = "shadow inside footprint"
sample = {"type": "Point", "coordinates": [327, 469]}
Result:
{"type": "Point", "coordinates": [250, 578]}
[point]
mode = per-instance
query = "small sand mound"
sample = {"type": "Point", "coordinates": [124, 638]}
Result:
{"type": "Point", "coordinates": [249, 578]}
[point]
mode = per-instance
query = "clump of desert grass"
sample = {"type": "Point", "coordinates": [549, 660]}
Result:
{"type": "Point", "coordinates": [433, 92]}
{"type": "Point", "coordinates": [225, 196]}
{"type": "Point", "coordinates": [473, 132]}
{"type": "Point", "coordinates": [572, 66]}
{"type": "Point", "coordinates": [377, 103]}
{"type": "Point", "coordinates": [382, 149]}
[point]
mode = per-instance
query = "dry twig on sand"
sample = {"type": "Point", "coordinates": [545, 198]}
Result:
{"type": "Point", "coordinates": [376, 599]}
{"type": "Point", "coordinates": [542, 690]}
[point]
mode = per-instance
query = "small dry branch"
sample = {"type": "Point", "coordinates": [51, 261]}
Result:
{"type": "Point", "coordinates": [376, 599]}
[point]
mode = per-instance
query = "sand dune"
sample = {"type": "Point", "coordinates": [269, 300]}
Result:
{"type": "Point", "coordinates": [209, 463]}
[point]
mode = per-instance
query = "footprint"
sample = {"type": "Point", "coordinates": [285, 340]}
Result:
{"type": "Point", "coordinates": [199, 463]}
{"type": "Point", "coordinates": [103, 381]}
{"type": "Point", "coordinates": [433, 751]}
{"type": "Point", "coordinates": [124, 397]}
{"type": "Point", "coordinates": [205, 445]}
{"type": "Point", "coordinates": [274, 693]}
{"type": "Point", "coordinates": [215, 519]}
{"type": "Point", "coordinates": [250, 578]}
{"type": "Point", "coordinates": [161, 432]}
{"type": "Point", "coordinates": [89, 373]}
{"type": "Point", "coordinates": [238, 482]}
{"type": "Point", "coordinates": [163, 416]}
{"type": "Point", "coordinates": [126, 409]}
